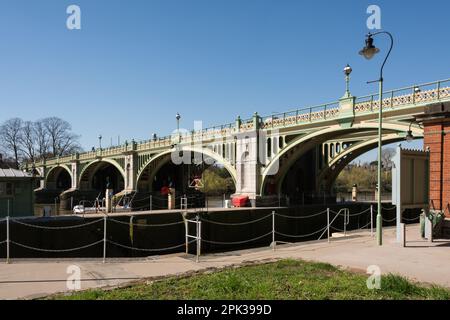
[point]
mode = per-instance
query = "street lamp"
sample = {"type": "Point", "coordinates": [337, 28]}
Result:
{"type": "Point", "coordinates": [100, 141]}
{"type": "Point", "coordinates": [178, 117]}
{"type": "Point", "coordinates": [347, 71]}
{"type": "Point", "coordinates": [368, 52]}
{"type": "Point", "coordinates": [409, 135]}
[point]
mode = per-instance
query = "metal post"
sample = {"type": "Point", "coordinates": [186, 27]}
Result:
{"type": "Point", "coordinates": [7, 238]}
{"type": "Point", "coordinates": [371, 220]}
{"type": "Point", "coordinates": [346, 220]}
{"type": "Point", "coordinates": [197, 238]}
{"type": "Point", "coordinates": [380, 129]}
{"type": "Point", "coordinates": [328, 224]}
{"type": "Point", "coordinates": [104, 239]}
{"type": "Point", "coordinates": [223, 202]}
{"type": "Point", "coordinates": [273, 231]}
{"type": "Point", "coordinates": [438, 90]}
{"type": "Point", "coordinates": [56, 210]}
{"type": "Point", "coordinates": [151, 202]}
{"type": "Point", "coordinates": [8, 213]}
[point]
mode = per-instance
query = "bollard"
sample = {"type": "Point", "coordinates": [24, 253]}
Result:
{"type": "Point", "coordinates": [104, 239]}
{"type": "Point", "coordinates": [151, 202]}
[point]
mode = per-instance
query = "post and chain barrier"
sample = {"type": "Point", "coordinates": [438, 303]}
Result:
{"type": "Point", "coordinates": [197, 237]}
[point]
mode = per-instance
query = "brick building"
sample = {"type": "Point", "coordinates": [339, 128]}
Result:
{"type": "Point", "coordinates": [436, 122]}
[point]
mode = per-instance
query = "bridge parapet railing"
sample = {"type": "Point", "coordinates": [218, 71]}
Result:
{"type": "Point", "coordinates": [428, 92]}
{"type": "Point", "coordinates": [303, 115]}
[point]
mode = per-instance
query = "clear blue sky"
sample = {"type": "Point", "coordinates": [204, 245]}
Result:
{"type": "Point", "coordinates": [134, 64]}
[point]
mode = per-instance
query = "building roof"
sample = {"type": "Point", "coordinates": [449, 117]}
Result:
{"type": "Point", "coordinates": [13, 173]}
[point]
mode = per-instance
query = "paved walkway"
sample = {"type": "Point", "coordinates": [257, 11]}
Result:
{"type": "Point", "coordinates": [420, 260]}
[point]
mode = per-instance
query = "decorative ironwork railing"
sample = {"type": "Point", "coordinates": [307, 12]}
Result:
{"type": "Point", "coordinates": [398, 98]}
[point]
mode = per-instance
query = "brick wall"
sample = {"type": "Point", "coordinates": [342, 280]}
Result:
{"type": "Point", "coordinates": [437, 138]}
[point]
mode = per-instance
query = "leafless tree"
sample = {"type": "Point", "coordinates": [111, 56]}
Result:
{"type": "Point", "coordinates": [10, 137]}
{"type": "Point", "coordinates": [61, 139]}
{"type": "Point", "coordinates": [28, 140]}
{"type": "Point", "coordinates": [386, 157]}
{"type": "Point", "coordinates": [42, 139]}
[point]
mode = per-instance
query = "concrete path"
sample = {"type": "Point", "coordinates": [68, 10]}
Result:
{"type": "Point", "coordinates": [420, 260]}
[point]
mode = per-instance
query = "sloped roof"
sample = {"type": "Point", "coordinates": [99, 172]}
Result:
{"type": "Point", "coordinates": [13, 173]}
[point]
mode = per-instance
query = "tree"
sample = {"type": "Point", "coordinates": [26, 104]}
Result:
{"type": "Point", "coordinates": [61, 140]}
{"type": "Point", "coordinates": [10, 137]}
{"type": "Point", "coordinates": [386, 157]}
{"type": "Point", "coordinates": [28, 140]}
{"type": "Point", "coordinates": [42, 139]}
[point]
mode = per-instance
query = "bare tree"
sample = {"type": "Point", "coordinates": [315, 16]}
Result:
{"type": "Point", "coordinates": [386, 157]}
{"type": "Point", "coordinates": [42, 139]}
{"type": "Point", "coordinates": [28, 140]}
{"type": "Point", "coordinates": [11, 135]}
{"type": "Point", "coordinates": [61, 140]}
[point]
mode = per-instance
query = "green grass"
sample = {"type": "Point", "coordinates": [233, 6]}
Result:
{"type": "Point", "coordinates": [285, 279]}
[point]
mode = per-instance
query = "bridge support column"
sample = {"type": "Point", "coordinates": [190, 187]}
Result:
{"type": "Point", "coordinates": [75, 174]}
{"type": "Point", "coordinates": [247, 164]}
{"type": "Point", "coordinates": [130, 171]}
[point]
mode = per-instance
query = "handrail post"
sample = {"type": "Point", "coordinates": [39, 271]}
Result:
{"type": "Point", "coordinates": [328, 224]}
{"type": "Point", "coordinates": [371, 220]}
{"type": "Point", "coordinates": [438, 90]}
{"type": "Point", "coordinates": [273, 230]}
{"type": "Point", "coordinates": [104, 239]}
{"type": "Point", "coordinates": [7, 239]}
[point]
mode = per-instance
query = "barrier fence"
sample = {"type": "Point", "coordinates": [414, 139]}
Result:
{"type": "Point", "coordinates": [197, 237]}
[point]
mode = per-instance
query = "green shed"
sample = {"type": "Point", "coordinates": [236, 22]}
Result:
{"type": "Point", "coordinates": [16, 193]}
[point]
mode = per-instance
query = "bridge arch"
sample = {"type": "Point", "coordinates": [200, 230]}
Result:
{"type": "Point", "coordinates": [330, 173]}
{"type": "Point", "coordinates": [103, 169]}
{"type": "Point", "coordinates": [154, 164]}
{"type": "Point", "coordinates": [59, 178]}
{"type": "Point", "coordinates": [301, 145]}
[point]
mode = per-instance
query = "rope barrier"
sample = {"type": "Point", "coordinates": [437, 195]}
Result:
{"type": "Point", "coordinates": [301, 217]}
{"type": "Point", "coordinates": [56, 250]}
{"type": "Point", "coordinates": [4, 241]}
{"type": "Point", "coordinates": [235, 224]}
{"type": "Point", "coordinates": [237, 242]}
{"type": "Point", "coordinates": [55, 228]}
{"type": "Point", "coordinates": [337, 229]}
{"type": "Point", "coordinates": [407, 219]}
{"type": "Point", "coordinates": [389, 220]}
{"type": "Point", "coordinates": [302, 235]}
{"type": "Point", "coordinates": [388, 209]}
{"type": "Point", "coordinates": [149, 250]}
{"type": "Point", "coordinates": [147, 225]}
{"type": "Point", "coordinates": [359, 213]}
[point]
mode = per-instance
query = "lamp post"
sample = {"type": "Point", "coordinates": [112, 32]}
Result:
{"type": "Point", "coordinates": [368, 52]}
{"type": "Point", "coordinates": [347, 71]}
{"type": "Point", "coordinates": [178, 117]}
{"type": "Point", "coordinates": [100, 141]}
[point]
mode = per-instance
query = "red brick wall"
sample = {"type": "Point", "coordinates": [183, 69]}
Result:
{"type": "Point", "coordinates": [437, 138]}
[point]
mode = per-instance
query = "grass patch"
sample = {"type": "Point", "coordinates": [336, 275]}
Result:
{"type": "Point", "coordinates": [285, 279]}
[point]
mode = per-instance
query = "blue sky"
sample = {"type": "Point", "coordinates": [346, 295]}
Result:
{"type": "Point", "coordinates": [134, 64]}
